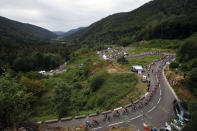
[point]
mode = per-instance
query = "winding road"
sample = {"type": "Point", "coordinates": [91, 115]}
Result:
{"type": "Point", "coordinates": [157, 110]}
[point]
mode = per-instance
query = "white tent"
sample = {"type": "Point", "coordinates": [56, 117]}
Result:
{"type": "Point", "coordinates": [137, 68]}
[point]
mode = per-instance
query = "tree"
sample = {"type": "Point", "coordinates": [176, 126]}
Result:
{"type": "Point", "coordinates": [192, 81]}
{"type": "Point", "coordinates": [194, 63]}
{"type": "Point", "coordinates": [174, 65]}
{"type": "Point", "coordinates": [35, 87]}
{"type": "Point", "coordinates": [23, 64]}
{"type": "Point", "coordinates": [61, 99]}
{"type": "Point", "coordinates": [191, 126]}
{"type": "Point", "coordinates": [121, 59]}
{"type": "Point", "coordinates": [188, 50]}
{"type": "Point", "coordinates": [14, 108]}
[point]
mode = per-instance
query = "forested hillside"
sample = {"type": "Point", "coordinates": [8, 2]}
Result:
{"type": "Point", "coordinates": [70, 32]}
{"type": "Point", "coordinates": [152, 20]}
{"type": "Point", "coordinates": [20, 33]}
{"type": "Point", "coordinates": [25, 47]}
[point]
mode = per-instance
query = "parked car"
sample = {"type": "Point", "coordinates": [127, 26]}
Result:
{"type": "Point", "coordinates": [144, 78]}
{"type": "Point", "coordinates": [181, 111]}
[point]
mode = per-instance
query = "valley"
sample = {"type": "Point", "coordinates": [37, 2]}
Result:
{"type": "Point", "coordinates": [134, 70]}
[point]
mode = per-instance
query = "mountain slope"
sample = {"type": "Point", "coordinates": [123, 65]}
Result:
{"type": "Point", "coordinates": [21, 33]}
{"type": "Point", "coordinates": [59, 32]}
{"type": "Point", "coordinates": [70, 32]}
{"type": "Point", "coordinates": [127, 26]}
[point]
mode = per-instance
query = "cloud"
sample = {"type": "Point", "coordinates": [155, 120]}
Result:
{"type": "Point", "coordinates": [64, 14]}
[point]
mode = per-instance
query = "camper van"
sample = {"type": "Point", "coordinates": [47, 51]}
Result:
{"type": "Point", "coordinates": [144, 78]}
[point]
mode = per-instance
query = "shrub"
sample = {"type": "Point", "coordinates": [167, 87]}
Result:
{"type": "Point", "coordinates": [192, 81]}
{"type": "Point", "coordinates": [185, 67]}
{"type": "Point", "coordinates": [121, 59]}
{"type": "Point", "coordinates": [86, 92]}
{"type": "Point", "coordinates": [194, 63]}
{"type": "Point", "coordinates": [100, 100]}
{"type": "Point", "coordinates": [96, 82]}
{"type": "Point", "coordinates": [61, 99]}
{"type": "Point", "coordinates": [77, 85]}
{"type": "Point", "coordinates": [35, 87]}
{"type": "Point", "coordinates": [174, 65]}
{"type": "Point", "coordinates": [14, 104]}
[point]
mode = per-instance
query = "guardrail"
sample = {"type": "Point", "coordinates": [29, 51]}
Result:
{"type": "Point", "coordinates": [80, 117]}
{"type": "Point", "coordinates": [93, 114]}
{"type": "Point", "coordinates": [66, 119]}
{"type": "Point", "coordinates": [51, 121]}
{"type": "Point", "coordinates": [106, 112]}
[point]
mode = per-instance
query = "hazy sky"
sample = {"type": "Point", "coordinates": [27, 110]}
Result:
{"type": "Point", "coordinates": [63, 15]}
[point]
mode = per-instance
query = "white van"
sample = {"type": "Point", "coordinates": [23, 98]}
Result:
{"type": "Point", "coordinates": [144, 78]}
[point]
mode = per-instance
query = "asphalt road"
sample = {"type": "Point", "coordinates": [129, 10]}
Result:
{"type": "Point", "coordinates": [158, 110]}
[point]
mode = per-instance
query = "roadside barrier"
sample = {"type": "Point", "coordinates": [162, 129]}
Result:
{"type": "Point", "coordinates": [80, 117]}
{"type": "Point", "coordinates": [66, 119]}
{"type": "Point", "coordinates": [94, 114]}
{"type": "Point", "coordinates": [51, 121]}
{"type": "Point", "coordinates": [106, 112]}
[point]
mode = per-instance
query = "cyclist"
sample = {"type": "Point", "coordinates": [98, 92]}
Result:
{"type": "Point", "coordinates": [95, 121]}
{"type": "Point", "coordinates": [118, 113]}
{"type": "Point", "coordinates": [133, 106]}
{"type": "Point", "coordinates": [126, 110]}
{"type": "Point", "coordinates": [148, 84]}
{"type": "Point", "coordinates": [88, 123]}
{"type": "Point", "coordinates": [148, 89]}
{"type": "Point", "coordinates": [97, 112]}
{"type": "Point", "coordinates": [105, 115]}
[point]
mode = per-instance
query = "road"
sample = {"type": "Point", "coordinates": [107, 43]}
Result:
{"type": "Point", "coordinates": [159, 108]}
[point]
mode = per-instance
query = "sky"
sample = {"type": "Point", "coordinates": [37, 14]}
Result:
{"type": "Point", "coordinates": [63, 15]}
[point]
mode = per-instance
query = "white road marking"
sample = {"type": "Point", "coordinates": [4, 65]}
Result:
{"type": "Point", "coordinates": [156, 78]}
{"type": "Point", "coordinates": [152, 109]}
{"type": "Point", "coordinates": [135, 117]}
{"type": "Point", "coordinates": [146, 94]}
{"type": "Point", "coordinates": [96, 128]}
{"type": "Point", "coordinates": [158, 101]}
{"type": "Point", "coordinates": [116, 123]}
{"type": "Point", "coordinates": [169, 86]}
{"type": "Point", "coordinates": [160, 92]}
{"type": "Point", "coordinates": [123, 121]}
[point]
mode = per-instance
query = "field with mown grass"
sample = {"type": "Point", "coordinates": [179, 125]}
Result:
{"type": "Point", "coordinates": [133, 50]}
{"type": "Point", "coordinates": [142, 60]}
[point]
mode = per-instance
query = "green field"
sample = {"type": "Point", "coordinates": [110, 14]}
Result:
{"type": "Point", "coordinates": [135, 50]}
{"type": "Point", "coordinates": [142, 60]}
